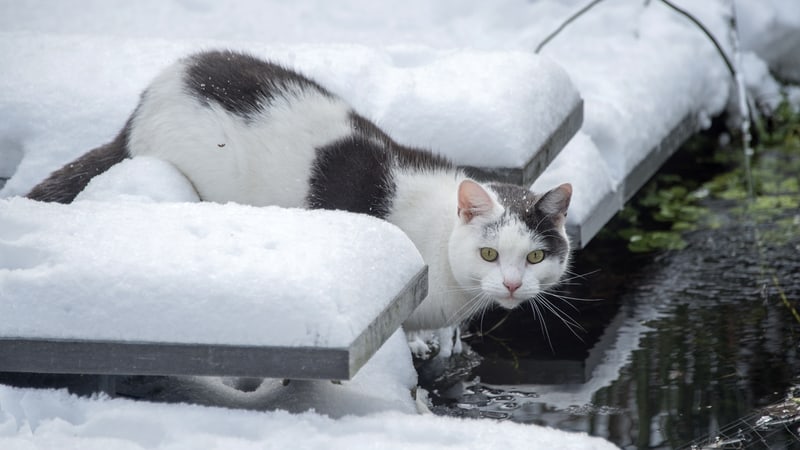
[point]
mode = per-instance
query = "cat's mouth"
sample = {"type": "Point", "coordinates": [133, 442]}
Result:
{"type": "Point", "coordinates": [509, 301]}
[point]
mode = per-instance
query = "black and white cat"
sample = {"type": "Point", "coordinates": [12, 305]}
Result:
{"type": "Point", "coordinates": [249, 131]}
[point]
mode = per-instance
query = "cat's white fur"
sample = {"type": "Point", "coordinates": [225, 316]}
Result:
{"type": "Point", "coordinates": [230, 159]}
{"type": "Point", "coordinates": [467, 283]}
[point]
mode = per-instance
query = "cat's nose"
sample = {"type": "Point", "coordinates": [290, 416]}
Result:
{"type": "Point", "coordinates": [512, 286]}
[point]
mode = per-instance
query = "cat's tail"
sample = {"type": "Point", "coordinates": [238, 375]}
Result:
{"type": "Point", "coordinates": [66, 183]}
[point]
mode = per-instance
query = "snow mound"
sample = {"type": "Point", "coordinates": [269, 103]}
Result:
{"type": "Point", "coordinates": [481, 108]}
{"type": "Point", "coordinates": [196, 272]}
{"type": "Point", "coordinates": [46, 419]}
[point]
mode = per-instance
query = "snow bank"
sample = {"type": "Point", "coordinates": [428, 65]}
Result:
{"type": "Point", "coordinates": [481, 108]}
{"type": "Point", "coordinates": [640, 67]}
{"type": "Point", "coordinates": [72, 74]}
{"type": "Point", "coordinates": [641, 70]}
{"type": "Point", "coordinates": [771, 29]}
{"type": "Point", "coordinates": [196, 272]}
{"type": "Point", "coordinates": [47, 419]}
{"type": "Point", "coordinates": [124, 182]}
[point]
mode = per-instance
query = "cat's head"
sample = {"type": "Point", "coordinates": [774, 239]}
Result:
{"type": "Point", "coordinates": [508, 244]}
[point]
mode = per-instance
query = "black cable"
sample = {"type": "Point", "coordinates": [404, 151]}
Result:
{"type": "Point", "coordinates": [754, 133]}
{"type": "Point", "coordinates": [564, 25]}
{"type": "Point", "coordinates": [707, 33]}
{"type": "Point", "coordinates": [728, 64]}
{"type": "Point", "coordinates": [674, 7]}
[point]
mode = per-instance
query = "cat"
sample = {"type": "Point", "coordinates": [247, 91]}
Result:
{"type": "Point", "coordinates": [245, 130]}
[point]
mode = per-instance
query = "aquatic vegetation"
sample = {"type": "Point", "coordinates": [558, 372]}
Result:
{"type": "Point", "coordinates": [708, 170]}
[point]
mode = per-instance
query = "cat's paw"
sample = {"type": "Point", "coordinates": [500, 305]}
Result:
{"type": "Point", "coordinates": [423, 344]}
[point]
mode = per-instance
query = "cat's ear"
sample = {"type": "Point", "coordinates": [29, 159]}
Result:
{"type": "Point", "coordinates": [555, 203]}
{"type": "Point", "coordinates": [473, 201]}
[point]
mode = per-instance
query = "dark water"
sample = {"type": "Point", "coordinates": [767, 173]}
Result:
{"type": "Point", "coordinates": [685, 347]}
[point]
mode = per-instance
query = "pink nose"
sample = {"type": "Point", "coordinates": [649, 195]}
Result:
{"type": "Point", "coordinates": [512, 286]}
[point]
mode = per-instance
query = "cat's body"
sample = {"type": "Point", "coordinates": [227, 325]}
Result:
{"type": "Point", "coordinates": [248, 131]}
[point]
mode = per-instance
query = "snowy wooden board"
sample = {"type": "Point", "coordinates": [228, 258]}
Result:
{"type": "Point", "coordinates": [510, 111]}
{"type": "Point", "coordinates": [88, 356]}
{"type": "Point", "coordinates": [606, 206]}
{"type": "Point", "coordinates": [541, 157]}
{"type": "Point", "coordinates": [199, 289]}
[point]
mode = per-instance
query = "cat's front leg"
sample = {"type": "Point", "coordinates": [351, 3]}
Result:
{"type": "Point", "coordinates": [424, 344]}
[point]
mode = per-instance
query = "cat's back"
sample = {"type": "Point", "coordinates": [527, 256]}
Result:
{"type": "Point", "coordinates": [240, 128]}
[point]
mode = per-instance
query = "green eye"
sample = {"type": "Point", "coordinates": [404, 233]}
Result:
{"type": "Point", "coordinates": [488, 254]}
{"type": "Point", "coordinates": [535, 257]}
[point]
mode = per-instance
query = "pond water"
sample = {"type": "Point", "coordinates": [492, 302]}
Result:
{"type": "Point", "coordinates": [683, 347]}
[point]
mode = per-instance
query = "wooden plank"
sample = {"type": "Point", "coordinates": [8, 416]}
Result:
{"type": "Point", "coordinates": [162, 358]}
{"type": "Point", "coordinates": [581, 233]}
{"type": "Point", "coordinates": [389, 321]}
{"type": "Point", "coordinates": [541, 158]}
{"type": "Point", "coordinates": [659, 154]}
{"type": "Point", "coordinates": [68, 356]}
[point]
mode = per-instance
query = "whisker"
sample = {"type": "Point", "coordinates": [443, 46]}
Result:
{"type": "Point", "coordinates": [578, 276]}
{"type": "Point", "coordinates": [575, 299]}
{"type": "Point", "coordinates": [470, 307]}
{"type": "Point", "coordinates": [560, 313]}
{"type": "Point", "coordinates": [495, 326]}
{"type": "Point", "coordinates": [570, 323]}
{"type": "Point", "coordinates": [480, 324]}
{"type": "Point", "coordinates": [537, 315]}
{"type": "Point", "coordinates": [452, 289]}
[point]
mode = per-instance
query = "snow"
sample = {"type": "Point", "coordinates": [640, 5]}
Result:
{"type": "Point", "coordinates": [456, 77]}
{"type": "Point", "coordinates": [417, 94]}
{"type": "Point", "coordinates": [47, 419]}
{"type": "Point", "coordinates": [771, 31]}
{"type": "Point", "coordinates": [123, 182]}
{"type": "Point", "coordinates": [284, 277]}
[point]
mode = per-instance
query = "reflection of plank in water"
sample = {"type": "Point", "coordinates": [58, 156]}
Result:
{"type": "Point", "coordinates": [775, 426]}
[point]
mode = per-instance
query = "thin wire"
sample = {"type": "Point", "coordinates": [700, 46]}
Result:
{"type": "Point", "coordinates": [753, 130]}
{"type": "Point", "coordinates": [565, 23]}
{"type": "Point", "coordinates": [707, 33]}
{"type": "Point", "coordinates": [674, 7]}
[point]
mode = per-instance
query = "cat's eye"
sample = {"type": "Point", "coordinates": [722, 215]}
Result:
{"type": "Point", "coordinates": [535, 257]}
{"type": "Point", "coordinates": [488, 254]}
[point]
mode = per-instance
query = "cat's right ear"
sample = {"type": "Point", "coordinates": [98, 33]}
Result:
{"type": "Point", "coordinates": [473, 201]}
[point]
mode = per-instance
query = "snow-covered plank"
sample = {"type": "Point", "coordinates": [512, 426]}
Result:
{"type": "Point", "coordinates": [199, 288]}
{"type": "Point", "coordinates": [89, 356]}
{"type": "Point", "coordinates": [506, 111]}
{"type": "Point", "coordinates": [605, 206]}
{"type": "Point", "coordinates": [542, 156]}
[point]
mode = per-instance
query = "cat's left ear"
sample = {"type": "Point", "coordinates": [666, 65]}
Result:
{"type": "Point", "coordinates": [473, 201]}
{"type": "Point", "coordinates": [555, 203]}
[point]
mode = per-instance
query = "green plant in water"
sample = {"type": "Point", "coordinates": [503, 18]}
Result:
{"type": "Point", "coordinates": [671, 204]}
{"type": "Point", "coordinates": [657, 218]}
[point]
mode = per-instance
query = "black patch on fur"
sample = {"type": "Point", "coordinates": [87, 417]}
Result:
{"type": "Point", "coordinates": [66, 183]}
{"type": "Point", "coordinates": [407, 157]}
{"type": "Point", "coordinates": [421, 160]}
{"type": "Point", "coordinates": [352, 174]}
{"type": "Point", "coordinates": [521, 203]}
{"type": "Point", "coordinates": [242, 84]}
